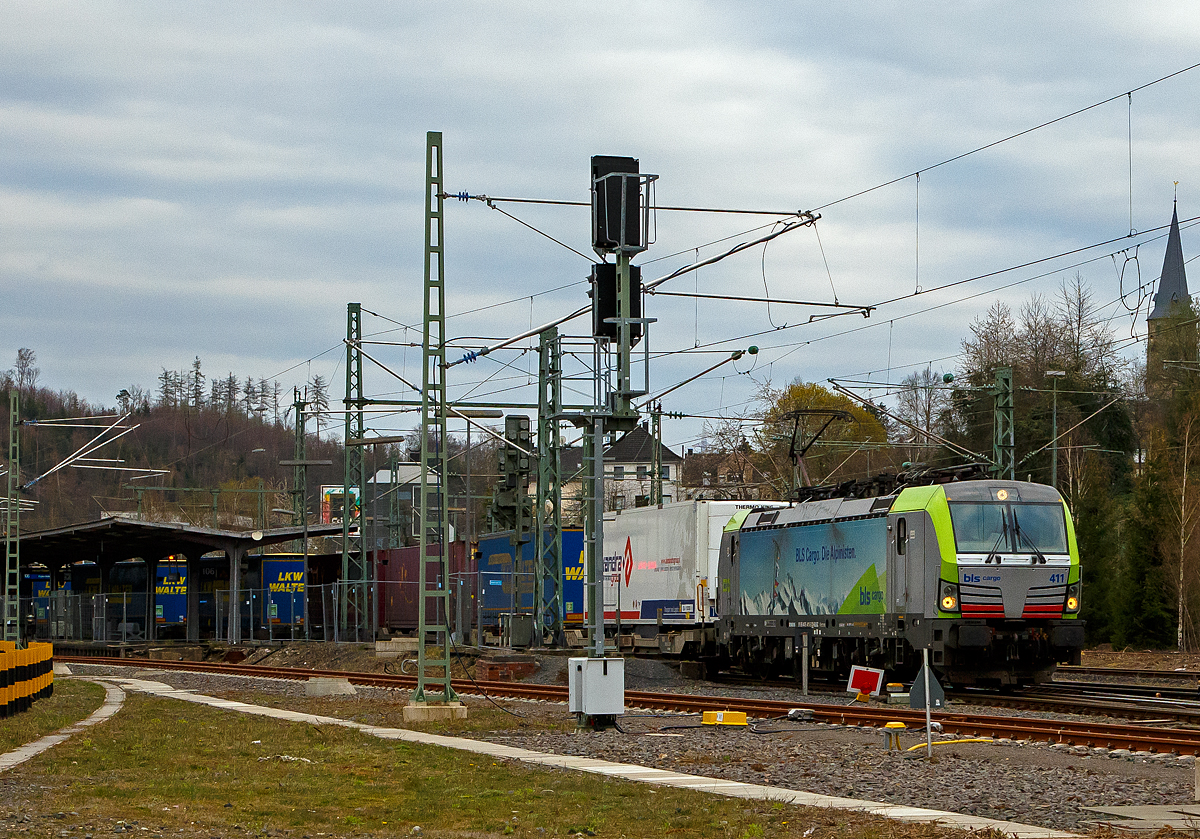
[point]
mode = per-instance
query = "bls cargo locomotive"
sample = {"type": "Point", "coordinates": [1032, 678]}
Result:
{"type": "Point", "coordinates": [983, 573]}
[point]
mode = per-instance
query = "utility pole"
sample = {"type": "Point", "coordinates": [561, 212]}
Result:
{"type": "Point", "coordinates": [1056, 375]}
{"type": "Point", "coordinates": [300, 472]}
{"type": "Point", "coordinates": [656, 486]}
{"type": "Point", "coordinates": [354, 557]}
{"type": "Point", "coordinates": [12, 525]}
{"type": "Point", "coordinates": [548, 503]}
{"type": "Point", "coordinates": [434, 548]}
{"type": "Point", "coordinates": [1004, 447]}
{"type": "Point", "coordinates": [656, 479]}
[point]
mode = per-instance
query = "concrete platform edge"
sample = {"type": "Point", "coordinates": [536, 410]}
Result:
{"type": "Point", "coordinates": [114, 697]}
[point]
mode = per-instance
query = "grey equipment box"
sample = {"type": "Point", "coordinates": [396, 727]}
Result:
{"type": "Point", "coordinates": [596, 686]}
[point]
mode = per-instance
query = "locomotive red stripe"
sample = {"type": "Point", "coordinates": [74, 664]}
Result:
{"type": "Point", "coordinates": [982, 610]}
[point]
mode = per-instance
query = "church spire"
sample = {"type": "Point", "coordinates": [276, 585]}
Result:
{"type": "Point", "coordinates": [1172, 285]}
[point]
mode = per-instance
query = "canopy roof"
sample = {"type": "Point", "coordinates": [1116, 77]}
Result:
{"type": "Point", "coordinates": [114, 538]}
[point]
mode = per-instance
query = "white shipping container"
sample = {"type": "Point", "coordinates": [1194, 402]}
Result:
{"type": "Point", "coordinates": [664, 559]}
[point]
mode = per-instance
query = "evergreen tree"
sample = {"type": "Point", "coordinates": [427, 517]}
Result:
{"type": "Point", "coordinates": [196, 385]}
{"type": "Point", "coordinates": [319, 401]}
{"type": "Point", "coordinates": [1146, 616]}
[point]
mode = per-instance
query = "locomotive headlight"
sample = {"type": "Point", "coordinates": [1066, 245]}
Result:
{"type": "Point", "coordinates": [949, 597]}
{"type": "Point", "coordinates": [1072, 604]}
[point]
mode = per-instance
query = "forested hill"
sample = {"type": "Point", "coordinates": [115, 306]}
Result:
{"type": "Point", "coordinates": [218, 444]}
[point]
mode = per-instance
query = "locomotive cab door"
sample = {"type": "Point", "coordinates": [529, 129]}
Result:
{"type": "Point", "coordinates": [906, 563]}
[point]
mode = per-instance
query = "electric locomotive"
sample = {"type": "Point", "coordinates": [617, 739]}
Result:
{"type": "Point", "coordinates": [982, 573]}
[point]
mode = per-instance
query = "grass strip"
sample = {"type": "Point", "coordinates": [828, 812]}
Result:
{"type": "Point", "coordinates": [71, 701]}
{"type": "Point", "coordinates": [163, 766]}
{"type": "Point", "coordinates": [387, 711]}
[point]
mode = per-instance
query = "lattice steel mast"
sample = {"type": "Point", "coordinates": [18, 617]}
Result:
{"type": "Point", "coordinates": [12, 525]}
{"type": "Point", "coordinates": [434, 460]}
{"type": "Point", "coordinates": [548, 506]}
{"type": "Point", "coordinates": [1004, 449]}
{"type": "Point", "coordinates": [354, 560]}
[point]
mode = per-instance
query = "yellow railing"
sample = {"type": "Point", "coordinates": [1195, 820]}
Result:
{"type": "Point", "coordinates": [25, 675]}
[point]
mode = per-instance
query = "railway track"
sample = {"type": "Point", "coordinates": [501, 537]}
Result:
{"type": "Point", "coordinates": [1179, 703]}
{"type": "Point", "coordinates": [1091, 734]}
{"type": "Point", "coordinates": [1184, 677]}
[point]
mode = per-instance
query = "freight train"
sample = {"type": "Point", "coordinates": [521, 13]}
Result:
{"type": "Point", "coordinates": [982, 573]}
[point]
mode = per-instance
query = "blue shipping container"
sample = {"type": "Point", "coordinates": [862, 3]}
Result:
{"type": "Point", "coordinates": [284, 580]}
{"type": "Point", "coordinates": [496, 579]}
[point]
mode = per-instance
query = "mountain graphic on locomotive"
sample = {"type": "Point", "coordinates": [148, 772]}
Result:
{"type": "Point", "coordinates": [983, 573]}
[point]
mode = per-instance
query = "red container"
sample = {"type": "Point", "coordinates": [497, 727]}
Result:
{"type": "Point", "coordinates": [397, 576]}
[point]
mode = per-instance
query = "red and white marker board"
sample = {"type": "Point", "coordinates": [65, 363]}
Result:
{"type": "Point", "coordinates": [865, 680]}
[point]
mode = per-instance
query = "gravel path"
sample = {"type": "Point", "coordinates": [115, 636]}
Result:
{"type": "Point", "coordinates": [1032, 783]}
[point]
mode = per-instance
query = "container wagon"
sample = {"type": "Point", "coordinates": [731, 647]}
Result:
{"type": "Point", "coordinates": [659, 568]}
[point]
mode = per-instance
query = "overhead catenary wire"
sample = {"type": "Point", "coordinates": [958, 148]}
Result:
{"type": "Point", "coordinates": [492, 200]}
{"type": "Point", "coordinates": [1006, 139]}
{"type": "Point", "coordinates": [926, 310]}
{"type": "Point", "coordinates": [917, 290]}
{"type": "Point", "coordinates": [463, 196]}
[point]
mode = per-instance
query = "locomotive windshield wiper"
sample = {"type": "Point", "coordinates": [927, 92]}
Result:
{"type": "Point", "coordinates": [1038, 556]}
{"type": "Point", "coordinates": [992, 554]}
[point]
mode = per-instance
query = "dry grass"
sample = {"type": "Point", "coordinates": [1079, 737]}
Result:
{"type": "Point", "coordinates": [196, 771]}
{"type": "Point", "coordinates": [387, 709]}
{"type": "Point", "coordinates": [71, 701]}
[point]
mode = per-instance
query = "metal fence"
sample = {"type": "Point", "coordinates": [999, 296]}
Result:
{"type": "Point", "coordinates": [485, 607]}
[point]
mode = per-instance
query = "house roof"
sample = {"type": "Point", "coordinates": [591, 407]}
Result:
{"type": "Point", "coordinates": [637, 446]}
{"type": "Point", "coordinates": [1172, 284]}
{"type": "Point", "coordinates": [408, 473]}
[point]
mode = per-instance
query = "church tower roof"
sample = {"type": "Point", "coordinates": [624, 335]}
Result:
{"type": "Point", "coordinates": [1172, 285]}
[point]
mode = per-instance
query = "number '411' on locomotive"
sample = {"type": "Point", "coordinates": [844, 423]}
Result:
{"type": "Point", "coordinates": [984, 573]}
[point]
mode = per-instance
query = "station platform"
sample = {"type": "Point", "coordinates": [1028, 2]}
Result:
{"type": "Point", "coordinates": [631, 772]}
{"type": "Point", "coordinates": [1149, 819]}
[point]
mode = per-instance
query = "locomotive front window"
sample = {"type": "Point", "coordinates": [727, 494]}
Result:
{"type": "Point", "coordinates": [1041, 524]}
{"type": "Point", "coordinates": [980, 528]}
{"type": "Point", "coordinates": [1009, 528]}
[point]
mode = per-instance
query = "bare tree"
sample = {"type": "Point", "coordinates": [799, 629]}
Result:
{"type": "Point", "coordinates": [1086, 343]}
{"type": "Point", "coordinates": [922, 402]}
{"type": "Point", "coordinates": [1183, 517]}
{"type": "Point", "coordinates": [1038, 338]}
{"type": "Point", "coordinates": [24, 374]}
{"type": "Point", "coordinates": [992, 343]}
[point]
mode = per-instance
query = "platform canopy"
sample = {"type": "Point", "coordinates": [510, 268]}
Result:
{"type": "Point", "coordinates": [116, 538]}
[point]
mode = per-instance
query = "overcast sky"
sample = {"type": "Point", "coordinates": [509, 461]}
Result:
{"type": "Point", "coordinates": [221, 179]}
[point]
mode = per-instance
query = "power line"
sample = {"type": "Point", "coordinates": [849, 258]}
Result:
{"type": "Point", "coordinates": [987, 275]}
{"type": "Point", "coordinates": [1006, 139]}
{"type": "Point", "coordinates": [492, 199]}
